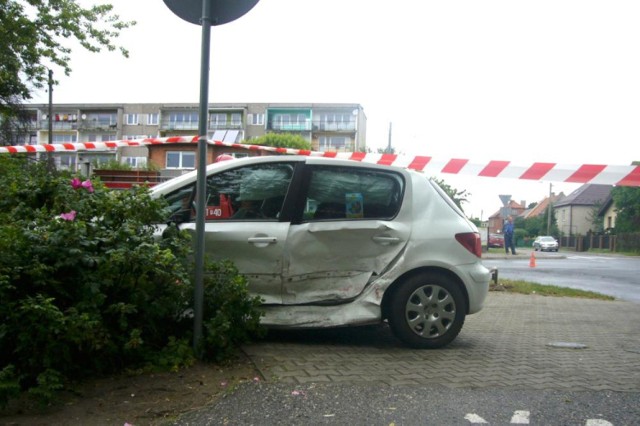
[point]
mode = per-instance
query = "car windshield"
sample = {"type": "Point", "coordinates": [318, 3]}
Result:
{"type": "Point", "coordinates": [547, 239]}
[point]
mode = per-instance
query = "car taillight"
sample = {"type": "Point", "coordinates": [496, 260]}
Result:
{"type": "Point", "coordinates": [471, 241]}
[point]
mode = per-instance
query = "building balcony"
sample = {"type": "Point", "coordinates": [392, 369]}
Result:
{"type": "Point", "coordinates": [96, 125]}
{"type": "Point", "coordinates": [59, 125]}
{"type": "Point", "coordinates": [179, 125]}
{"type": "Point", "coordinates": [289, 127]}
{"type": "Point", "coordinates": [225, 126]}
{"type": "Point", "coordinates": [321, 126]}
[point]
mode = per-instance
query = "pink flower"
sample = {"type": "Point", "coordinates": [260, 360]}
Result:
{"type": "Point", "coordinates": [87, 185]}
{"type": "Point", "coordinates": [69, 216]}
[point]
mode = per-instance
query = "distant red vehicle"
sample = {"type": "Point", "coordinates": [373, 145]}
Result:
{"type": "Point", "coordinates": [496, 241]}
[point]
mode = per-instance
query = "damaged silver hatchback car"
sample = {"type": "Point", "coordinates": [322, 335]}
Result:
{"type": "Point", "coordinates": [328, 242]}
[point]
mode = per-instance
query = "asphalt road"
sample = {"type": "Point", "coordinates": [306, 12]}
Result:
{"type": "Point", "coordinates": [322, 404]}
{"type": "Point", "coordinates": [613, 275]}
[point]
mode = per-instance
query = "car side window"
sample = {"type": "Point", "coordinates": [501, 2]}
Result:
{"type": "Point", "coordinates": [350, 193]}
{"type": "Point", "coordinates": [251, 192]}
{"type": "Point", "coordinates": [180, 204]}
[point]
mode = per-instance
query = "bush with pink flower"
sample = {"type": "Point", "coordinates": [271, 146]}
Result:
{"type": "Point", "coordinates": [87, 289]}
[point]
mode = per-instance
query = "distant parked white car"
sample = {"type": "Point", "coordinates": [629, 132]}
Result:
{"type": "Point", "coordinates": [327, 242]}
{"type": "Point", "coordinates": [545, 243]}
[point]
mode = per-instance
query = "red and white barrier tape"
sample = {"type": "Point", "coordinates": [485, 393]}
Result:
{"type": "Point", "coordinates": [586, 173]}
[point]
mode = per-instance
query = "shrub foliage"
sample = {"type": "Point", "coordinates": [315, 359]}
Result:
{"type": "Point", "coordinates": [86, 289]}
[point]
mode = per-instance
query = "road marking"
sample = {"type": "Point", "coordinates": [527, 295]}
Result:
{"type": "Point", "coordinates": [474, 418]}
{"type": "Point", "coordinates": [588, 257]}
{"type": "Point", "coordinates": [520, 418]}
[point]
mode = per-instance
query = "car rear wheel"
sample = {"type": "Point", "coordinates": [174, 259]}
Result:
{"type": "Point", "coordinates": [427, 311]}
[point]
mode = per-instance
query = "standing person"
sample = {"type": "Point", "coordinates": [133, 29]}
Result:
{"type": "Point", "coordinates": [507, 230]}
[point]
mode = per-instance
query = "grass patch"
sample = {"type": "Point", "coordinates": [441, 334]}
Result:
{"type": "Point", "coordinates": [524, 287]}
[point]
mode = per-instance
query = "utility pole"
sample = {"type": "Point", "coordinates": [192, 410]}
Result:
{"type": "Point", "coordinates": [50, 163]}
{"type": "Point", "coordinates": [549, 210]}
{"type": "Point", "coordinates": [50, 107]}
{"type": "Point", "coordinates": [389, 149]}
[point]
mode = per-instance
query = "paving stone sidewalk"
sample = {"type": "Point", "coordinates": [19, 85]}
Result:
{"type": "Point", "coordinates": [508, 344]}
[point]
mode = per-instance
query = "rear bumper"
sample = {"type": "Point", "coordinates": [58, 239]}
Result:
{"type": "Point", "coordinates": [478, 287]}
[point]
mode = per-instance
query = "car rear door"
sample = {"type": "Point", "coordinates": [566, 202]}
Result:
{"type": "Point", "coordinates": [345, 235]}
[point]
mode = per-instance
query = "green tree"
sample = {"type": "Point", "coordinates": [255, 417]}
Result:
{"type": "Point", "coordinates": [627, 203]}
{"type": "Point", "coordinates": [36, 35]}
{"type": "Point", "coordinates": [457, 196]}
{"type": "Point", "coordinates": [594, 219]}
{"type": "Point", "coordinates": [538, 225]}
{"type": "Point", "coordinates": [535, 226]}
{"type": "Point", "coordinates": [282, 140]}
{"type": "Point", "coordinates": [13, 129]}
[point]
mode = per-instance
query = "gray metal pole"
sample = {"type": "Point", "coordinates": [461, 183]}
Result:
{"type": "Point", "coordinates": [201, 186]}
{"type": "Point", "coordinates": [51, 166]}
{"type": "Point", "coordinates": [50, 124]}
{"type": "Point", "coordinates": [549, 210]}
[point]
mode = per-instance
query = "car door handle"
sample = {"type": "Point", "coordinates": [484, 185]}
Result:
{"type": "Point", "coordinates": [386, 240]}
{"type": "Point", "coordinates": [262, 240]}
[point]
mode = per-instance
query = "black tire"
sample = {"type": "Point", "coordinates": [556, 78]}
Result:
{"type": "Point", "coordinates": [427, 311]}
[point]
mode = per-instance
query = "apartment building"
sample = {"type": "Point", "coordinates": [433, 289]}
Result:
{"type": "Point", "coordinates": [329, 127]}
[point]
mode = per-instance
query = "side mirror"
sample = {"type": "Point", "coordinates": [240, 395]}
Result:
{"type": "Point", "coordinates": [180, 216]}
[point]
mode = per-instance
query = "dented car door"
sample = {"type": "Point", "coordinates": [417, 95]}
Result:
{"type": "Point", "coordinates": [346, 236]}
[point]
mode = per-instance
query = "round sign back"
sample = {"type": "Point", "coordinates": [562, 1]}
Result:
{"type": "Point", "coordinates": [222, 11]}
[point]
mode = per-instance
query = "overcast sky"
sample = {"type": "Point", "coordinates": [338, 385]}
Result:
{"type": "Point", "coordinates": [551, 81]}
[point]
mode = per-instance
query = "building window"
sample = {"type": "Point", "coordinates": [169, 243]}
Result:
{"type": "Point", "coordinates": [334, 122]}
{"type": "Point", "coordinates": [101, 119]}
{"type": "Point", "coordinates": [153, 119]}
{"type": "Point", "coordinates": [104, 137]}
{"type": "Point", "coordinates": [256, 119]}
{"type": "Point", "coordinates": [334, 143]}
{"type": "Point", "coordinates": [102, 159]}
{"type": "Point", "coordinates": [64, 138]}
{"type": "Point", "coordinates": [183, 120]}
{"type": "Point", "coordinates": [282, 119]}
{"type": "Point", "coordinates": [236, 119]}
{"type": "Point", "coordinates": [217, 120]}
{"type": "Point", "coordinates": [66, 162]}
{"type": "Point", "coordinates": [25, 139]}
{"type": "Point", "coordinates": [135, 162]}
{"type": "Point", "coordinates": [135, 137]}
{"type": "Point", "coordinates": [181, 160]}
{"type": "Point", "coordinates": [131, 119]}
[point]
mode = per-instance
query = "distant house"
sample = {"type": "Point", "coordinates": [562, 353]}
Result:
{"type": "Point", "coordinates": [575, 212]}
{"type": "Point", "coordinates": [497, 219]}
{"type": "Point", "coordinates": [541, 208]}
{"type": "Point", "coordinates": [608, 214]}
